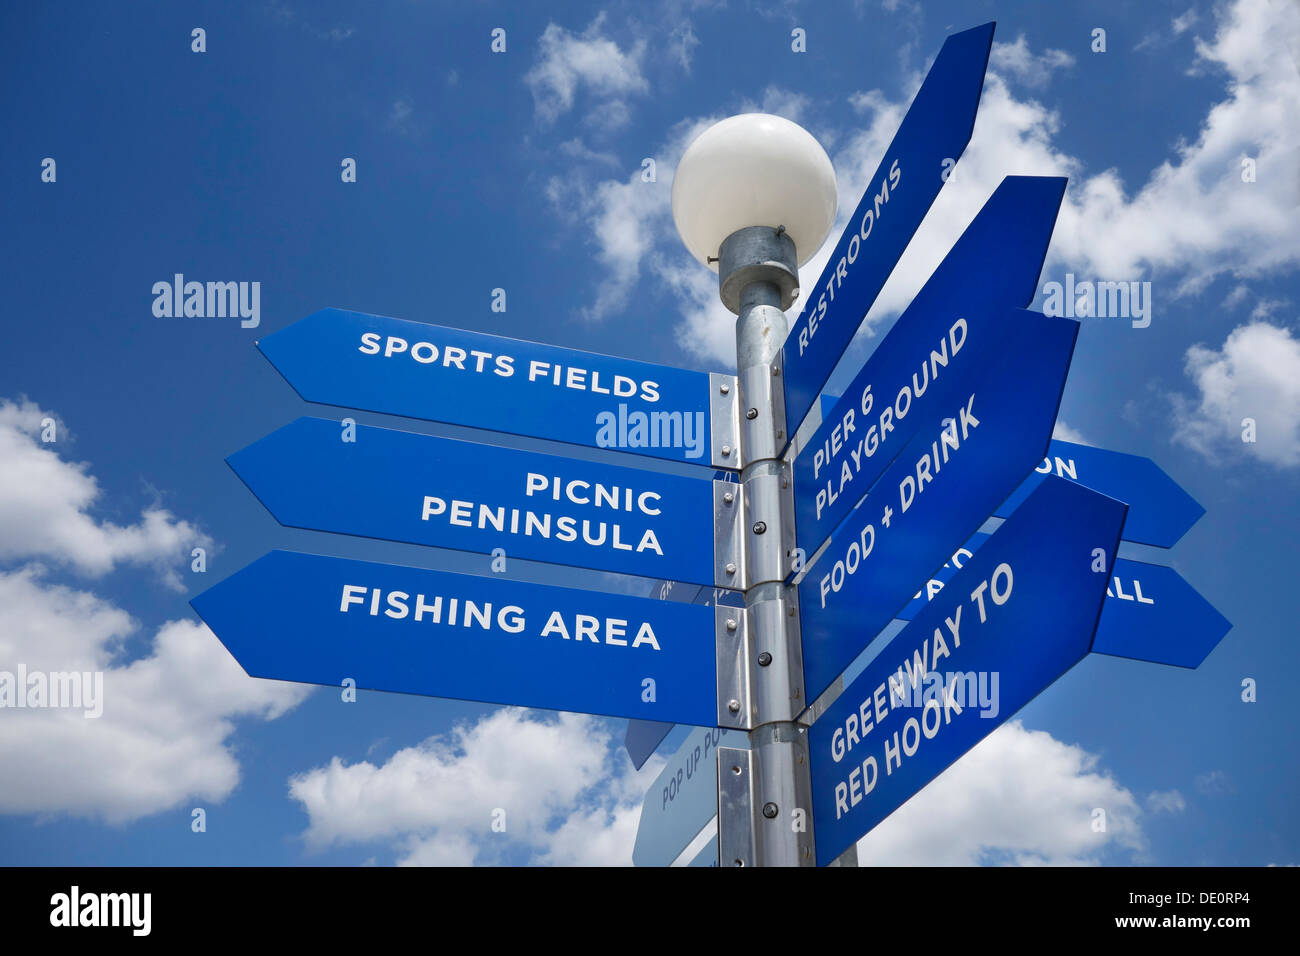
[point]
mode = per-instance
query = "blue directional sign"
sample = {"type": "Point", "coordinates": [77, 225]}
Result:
{"type": "Point", "coordinates": [1150, 612]}
{"type": "Point", "coordinates": [930, 139]}
{"type": "Point", "coordinates": [938, 491]}
{"type": "Point", "coordinates": [426, 371]}
{"type": "Point", "coordinates": [1016, 617]}
{"type": "Point", "coordinates": [1160, 511]}
{"type": "Point", "coordinates": [321, 620]}
{"type": "Point", "coordinates": [643, 737]}
{"type": "Point", "coordinates": [400, 486]}
{"type": "Point", "coordinates": [938, 347]}
{"type": "Point", "coordinates": [684, 797]}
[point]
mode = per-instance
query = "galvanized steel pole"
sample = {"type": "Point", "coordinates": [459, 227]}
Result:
{"type": "Point", "coordinates": [758, 279]}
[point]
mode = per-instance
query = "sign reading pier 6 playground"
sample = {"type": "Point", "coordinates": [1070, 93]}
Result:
{"type": "Point", "coordinates": [319, 620]}
{"type": "Point", "coordinates": [379, 364]}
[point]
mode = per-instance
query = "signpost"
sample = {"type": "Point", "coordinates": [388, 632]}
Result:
{"type": "Point", "coordinates": [942, 344]}
{"type": "Point", "coordinates": [931, 138]}
{"type": "Point", "coordinates": [934, 496]}
{"type": "Point", "coordinates": [319, 620]}
{"type": "Point", "coordinates": [952, 411]}
{"type": "Point", "coordinates": [1160, 511]}
{"type": "Point", "coordinates": [683, 798]}
{"type": "Point", "coordinates": [400, 486]}
{"type": "Point", "coordinates": [1023, 610]}
{"type": "Point", "coordinates": [1150, 612]}
{"type": "Point", "coordinates": [417, 370]}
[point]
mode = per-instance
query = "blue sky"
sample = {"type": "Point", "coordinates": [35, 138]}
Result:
{"type": "Point", "coordinates": [522, 170]}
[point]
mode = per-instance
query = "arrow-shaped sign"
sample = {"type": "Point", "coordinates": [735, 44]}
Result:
{"type": "Point", "coordinates": [932, 136]}
{"type": "Point", "coordinates": [643, 737]}
{"type": "Point", "coordinates": [936, 494]}
{"type": "Point", "coordinates": [1150, 612]}
{"type": "Point", "coordinates": [1016, 617]}
{"type": "Point", "coordinates": [938, 347]}
{"type": "Point", "coordinates": [683, 798]}
{"type": "Point", "coordinates": [321, 620]}
{"type": "Point", "coordinates": [1160, 511]}
{"type": "Point", "coordinates": [379, 364]}
{"type": "Point", "coordinates": [400, 486]}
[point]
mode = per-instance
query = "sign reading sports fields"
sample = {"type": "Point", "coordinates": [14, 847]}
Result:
{"type": "Point", "coordinates": [935, 131]}
{"type": "Point", "coordinates": [320, 620]}
{"type": "Point", "coordinates": [1024, 607]}
{"type": "Point", "coordinates": [400, 486]}
{"type": "Point", "coordinates": [397, 367]}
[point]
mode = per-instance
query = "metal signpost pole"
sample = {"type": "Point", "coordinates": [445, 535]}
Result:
{"type": "Point", "coordinates": [758, 280]}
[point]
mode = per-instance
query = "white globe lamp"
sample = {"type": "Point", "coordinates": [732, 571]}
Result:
{"type": "Point", "coordinates": [744, 176]}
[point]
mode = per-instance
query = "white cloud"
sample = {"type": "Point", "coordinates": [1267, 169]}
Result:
{"type": "Point", "coordinates": [630, 223]}
{"type": "Point", "coordinates": [402, 118]}
{"type": "Point", "coordinates": [162, 734]}
{"type": "Point", "coordinates": [568, 794]}
{"type": "Point", "coordinates": [1032, 69]}
{"type": "Point", "coordinates": [1067, 433]}
{"type": "Point", "coordinates": [567, 62]}
{"type": "Point", "coordinates": [1214, 783]}
{"type": "Point", "coordinates": [1265, 308]}
{"type": "Point", "coordinates": [1182, 24]}
{"type": "Point", "coordinates": [1019, 796]}
{"type": "Point", "coordinates": [46, 503]}
{"type": "Point", "coordinates": [1166, 801]}
{"type": "Point", "coordinates": [1236, 296]}
{"type": "Point", "coordinates": [1192, 220]}
{"type": "Point", "coordinates": [576, 149]}
{"type": "Point", "coordinates": [1255, 375]}
{"type": "Point", "coordinates": [681, 45]}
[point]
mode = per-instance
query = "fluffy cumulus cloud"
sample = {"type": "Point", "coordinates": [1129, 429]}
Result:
{"type": "Point", "coordinates": [1019, 796]}
{"type": "Point", "coordinates": [561, 788]}
{"type": "Point", "coordinates": [1028, 67]}
{"type": "Point", "coordinates": [1066, 432]}
{"type": "Point", "coordinates": [1248, 396]}
{"type": "Point", "coordinates": [568, 63]}
{"type": "Point", "coordinates": [1193, 219]}
{"type": "Point", "coordinates": [162, 719]}
{"type": "Point", "coordinates": [46, 503]}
